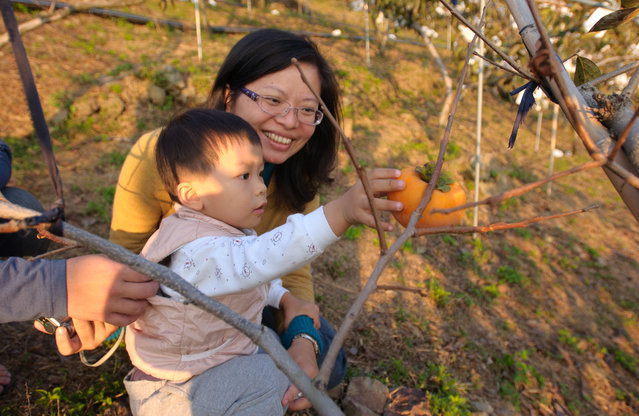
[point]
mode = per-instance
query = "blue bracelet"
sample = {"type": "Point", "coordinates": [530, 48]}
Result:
{"type": "Point", "coordinates": [301, 324]}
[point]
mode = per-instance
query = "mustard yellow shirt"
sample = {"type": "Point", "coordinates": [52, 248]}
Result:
{"type": "Point", "coordinates": [141, 202]}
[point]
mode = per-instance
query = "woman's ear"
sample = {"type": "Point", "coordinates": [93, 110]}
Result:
{"type": "Point", "coordinates": [228, 96]}
{"type": "Point", "coordinates": [188, 196]}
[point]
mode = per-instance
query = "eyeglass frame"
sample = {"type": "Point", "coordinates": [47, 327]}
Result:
{"type": "Point", "coordinates": [319, 115]}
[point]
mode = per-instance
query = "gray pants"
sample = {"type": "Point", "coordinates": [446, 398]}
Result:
{"type": "Point", "coordinates": [246, 385]}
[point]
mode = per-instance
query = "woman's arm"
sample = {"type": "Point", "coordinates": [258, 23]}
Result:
{"type": "Point", "coordinates": [140, 200]}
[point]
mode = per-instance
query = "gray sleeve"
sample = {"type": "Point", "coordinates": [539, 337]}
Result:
{"type": "Point", "coordinates": [29, 289]}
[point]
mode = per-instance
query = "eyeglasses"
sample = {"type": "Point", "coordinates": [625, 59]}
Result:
{"type": "Point", "coordinates": [278, 107]}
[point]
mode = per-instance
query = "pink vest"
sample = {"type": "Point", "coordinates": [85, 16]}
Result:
{"type": "Point", "coordinates": [174, 341]}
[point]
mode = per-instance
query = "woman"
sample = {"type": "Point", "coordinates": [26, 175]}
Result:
{"type": "Point", "coordinates": [258, 83]}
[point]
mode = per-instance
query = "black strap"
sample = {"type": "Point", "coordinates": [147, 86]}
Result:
{"type": "Point", "coordinates": [33, 100]}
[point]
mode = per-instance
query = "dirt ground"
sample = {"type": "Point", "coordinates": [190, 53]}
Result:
{"type": "Point", "coordinates": [536, 320]}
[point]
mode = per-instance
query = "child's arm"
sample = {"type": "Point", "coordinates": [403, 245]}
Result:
{"type": "Point", "coordinates": [223, 265]}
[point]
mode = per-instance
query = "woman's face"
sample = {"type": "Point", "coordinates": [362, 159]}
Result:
{"type": "Point", "coordinates": [281, 136]}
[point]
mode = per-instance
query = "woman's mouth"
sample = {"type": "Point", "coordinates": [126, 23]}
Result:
{"type": "Point", "coordinates": [277, 138]}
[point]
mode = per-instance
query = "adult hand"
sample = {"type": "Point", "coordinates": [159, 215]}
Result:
{"type": "Point", "coordinates": [293, 307]}
{"type": "Point", "coordinates": [87, 335]}
{"type": "Point", "coordinates": [100, 289]}
{"type": "Point", "coordinates": [301, 350]}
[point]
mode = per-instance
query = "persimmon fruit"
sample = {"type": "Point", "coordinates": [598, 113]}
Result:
{"type": "Point", "coordinates": [447, 194]}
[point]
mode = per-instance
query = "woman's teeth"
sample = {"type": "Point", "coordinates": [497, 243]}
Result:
{"type": "Point", "coordinates": [277, 138]}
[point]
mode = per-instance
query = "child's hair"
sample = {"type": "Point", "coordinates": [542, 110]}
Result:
{"type": "Point", "coordinates": [192, 142]}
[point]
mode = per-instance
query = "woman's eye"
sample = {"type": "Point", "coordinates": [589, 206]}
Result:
{"type": "Point", "coordinates": [272, 101]}
{"type": "Point", "coordinates": [307, 111]}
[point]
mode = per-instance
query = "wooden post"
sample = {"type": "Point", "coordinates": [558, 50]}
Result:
{"type": "Point", "coordinates": [553, 144]}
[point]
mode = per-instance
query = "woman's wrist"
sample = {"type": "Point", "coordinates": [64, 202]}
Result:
{"type": "Point", "coordinates": [302, 324]}
{"type": "Point", "coordinates": [302, 337]}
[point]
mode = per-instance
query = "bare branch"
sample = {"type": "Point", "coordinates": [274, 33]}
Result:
{"type": "Point", "coordinates": [258, 334]}
{"type": "Point", "coordinates": [496, 199]}
{"type": "Point", "coordinates": [51, 15]}
{"type": "Point", "coordinates": [520, 71]}
{"type": "Point", "coordinates": [500, 225]}
{"type": "Point", "coordinates": [610, 75]}
{"type": "Point", "coordinates": [351, 153]}
{"type": "Point", "coordinates": [56, 251]}
{"type": "Point", "coordinates": [371, 283]}
{"type": "Point", "coordinates": [633, 83]}
{"type": "Point", "coordinates": [624, 135]}
{"type": "Point", "coordinates": [500, 66]}
{"type": "Point", "coordinates": [419, 291]}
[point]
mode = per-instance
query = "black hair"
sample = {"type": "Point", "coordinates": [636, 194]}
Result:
{"type": "Point", "coordinates": [267, 51]}
{"type": "Point", "coordinates": [192, 142]}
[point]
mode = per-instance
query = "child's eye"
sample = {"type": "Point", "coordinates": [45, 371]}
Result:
{"type": "Point", "coordinates": [244, 176]}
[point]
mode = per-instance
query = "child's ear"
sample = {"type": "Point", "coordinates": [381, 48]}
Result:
{"type": "Point", "coordinates": [188, 196]}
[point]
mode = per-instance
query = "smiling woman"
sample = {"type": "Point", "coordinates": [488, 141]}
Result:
{"type": "Point", "coordinates": [258, 83]}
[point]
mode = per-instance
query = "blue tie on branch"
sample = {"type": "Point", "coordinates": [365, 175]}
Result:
{"type": "Point", "coordinates": [527, 101]}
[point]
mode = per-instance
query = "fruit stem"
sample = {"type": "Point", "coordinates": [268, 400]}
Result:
{"type": "Point", "coordinates": [426, 171]}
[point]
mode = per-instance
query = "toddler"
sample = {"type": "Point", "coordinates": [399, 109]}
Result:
{"type": "Point", "coordinates": [186, 360]}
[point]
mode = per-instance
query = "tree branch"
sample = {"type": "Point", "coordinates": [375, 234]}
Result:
{"type": "Point", "coordinates": [633, 83]}
{"type": "Point", "coordinates": [351, 153]}
{"type": "Point", "coordinates": [496, 199]}
{"type": "Point", "coordinates": [371, 283]}
{"type": "Point", "coordinates": [500, 225]}
{"type": "Point", "coordinates": [258, 334]}
{"type": "Point", "coordinates": [520, 71]}
{"type": "Point", "coordinates": [610, 75]}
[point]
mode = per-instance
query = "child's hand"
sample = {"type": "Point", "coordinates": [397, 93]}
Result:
{"type": "Point", "coordinates": [353, 207]}
{"type": "Point", "coordinates": [293, 307]}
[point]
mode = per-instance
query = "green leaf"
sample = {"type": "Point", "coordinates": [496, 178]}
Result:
{"type": "Point", "coordinates": [615, 19]}
{"type": "Point", "coordinates": [585, 71]}
{"type": "Point", "coordinates": [627, 4]}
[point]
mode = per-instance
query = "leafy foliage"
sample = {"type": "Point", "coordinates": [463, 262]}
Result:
{"type": "Point", "coordinates": [615, 19]}
{"type": "Point", "coordinates": [585, 71]}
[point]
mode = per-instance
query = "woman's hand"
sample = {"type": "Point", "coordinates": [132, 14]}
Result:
{"type": "Point", "coordinates": [301, 350]}
{"type": "Point", "coordinates": [353, 207]}
{"type": "Point", "coordinates": [293, 307]}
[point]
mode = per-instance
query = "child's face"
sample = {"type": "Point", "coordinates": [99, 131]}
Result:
{"type": "Point", "coordinates": [233, 192]}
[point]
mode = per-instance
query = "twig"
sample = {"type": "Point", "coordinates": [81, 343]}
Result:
{"type": "Point", "coordinates": [496, 199]}
{"type": "Point", "coordinates": [51, 15]}
{"type": "Point", "coordinates": [54, 252]}
{"type": "Point", "coordinates": [632, 84]}
{"type": "Point", "coordinates": [500, 66]}
{"type": "Point", "coordinates": [351, 153]}
{"type": "Point", "coordinates": [520, 71]}
{"type": "Point", "coordinates": [500, 225]}
{"type": "Point", "coordinates": [624, 135]}
{"type": "Point", "coordinates": [611, 75]}
{"type": "Point", "coordinates": [371, 283]}
{"type": "Point", "coordinates": [419, 291]}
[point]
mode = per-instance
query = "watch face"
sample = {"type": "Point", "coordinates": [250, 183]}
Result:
{"type": "Point", "coordinates": [49, 324]}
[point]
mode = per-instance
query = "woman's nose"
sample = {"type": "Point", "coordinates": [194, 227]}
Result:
{"type": "Point", "coordinates": [289, 120]}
